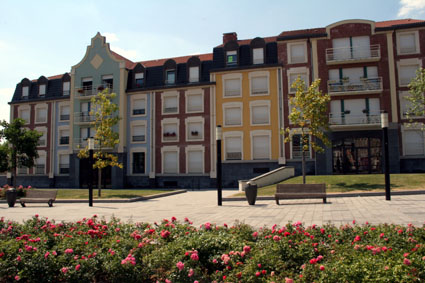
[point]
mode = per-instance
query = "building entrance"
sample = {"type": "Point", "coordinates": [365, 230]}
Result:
{"type": "Point", "coordinates": [356, 156]}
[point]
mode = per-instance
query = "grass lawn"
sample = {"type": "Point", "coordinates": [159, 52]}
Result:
{"type": "Point", "coordinates": [354, 183]}
{"type": "Point", "coordinates": [106, 194]}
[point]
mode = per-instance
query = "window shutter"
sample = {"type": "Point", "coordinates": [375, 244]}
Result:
{"type": "Point", "coordinates": [65, 133]}
{"type": "Point", "coordinates": [41, 115]}
{"type": "Point", "coordinates": [232, 87]}
{"type": "Point", "coordinates": [64, 159]}
{"type": "Point", "coordinates": [65, 110]}
{"type": "Point", "coordinates": [170, 104]}
{"type": "Point", "coordinates": [170, 162]}
{"type": "Point", "coordinates": [66, 86]}
{"type": "Point", "coordinates": [260, 114]}
{"type": "Point", "coordinates": [407, 73]}
{"type": "Point", "coordinates": [261, 147]}
{"type": "Point", "coordinates": [139, 106]}
{"type": "Point", "coordinates": [138, 76]}
{"type": "Point", "coordinates": [233, 148]}
{"type": "Point", "coordinates": [259, 85]}
{"type": "Point", "coordinates": [353, 74]}
{"type": "Point", "coordinates": [194, 74]}
{"type": "Point", "coordinates": [258, 55]}
{"type": "Point", "coordinates": [341, 48]}
{"type": "Point", "coordinates": [233, 116]}
{"type": "Point", "coordinates": [361, 47]}
{"type": "Point", "coordinates": [25, 91]}
{"type": "Point", "coordinates": [297, 53]}
{"type": "Point", "coordinates": [42, 90]}
{"type": "Point", "coordinates": [407, 43]}
{"type": "Point", "coordinates": [194, 102]}
{"type": "Point", "coordinates": [194, 130]}
{"type": "Point", "coordinates": [413, 142]}
{"type": "Point", "coordinates": [195, 162]}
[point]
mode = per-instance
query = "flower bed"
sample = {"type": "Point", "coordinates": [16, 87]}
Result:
{"type": "Point", "coordinates": [93, 250]}
{"type": "Point", "coordinates": [22, 191]}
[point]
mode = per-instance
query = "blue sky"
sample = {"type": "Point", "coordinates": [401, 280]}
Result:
{"type": "Point", "coordinates": [48, 37]}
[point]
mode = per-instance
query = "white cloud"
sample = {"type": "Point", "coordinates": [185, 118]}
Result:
{"type": "Point", "coordinates": [110, 37]}
{"type": "Point", "coordinates": [127, 53]}
{"type": "Point", "coordinates": [410, 8]}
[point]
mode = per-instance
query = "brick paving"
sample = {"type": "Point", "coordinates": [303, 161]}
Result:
{"type": "Point", "coordinates": [201, 207]}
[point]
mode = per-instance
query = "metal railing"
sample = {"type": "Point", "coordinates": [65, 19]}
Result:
{"type": "Point", "coordinates": [348, 119]}
{"type": "Point", "coordinates": [83, 117]}
{"type": "Point", "coordinates": [139, 138]}
{"type": "Point", "coordinates": [353, 53]}
{"type": "Point", "coordinates": [365, 84]}
{"type": "Point", "coordinates": [86, 91]}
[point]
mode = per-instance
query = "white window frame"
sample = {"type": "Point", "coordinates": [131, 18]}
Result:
{"type": "Point", "coordinates": [256, 75]}
{"type": "Point", "coordinates": [233, 134]}
{"type": "Point", "coordinates": [261, 133]}
{"type": "Point", "coordinates": [37, 108]}
{"type": "Point", "coordinates": [403, 101]}
{"type": "Point", "coordinates": [41, 153]}
{"type": "Point", "coordinates": [175, 121]}
{"type": "Point", "coordinates": [228, 105]}
{"type": "Point", "coordinates": [289, 46]}
{"type": "Point", "coordinates": [415, 127]}
{"type": "Point", "coordinates": [40, 88]}
{"type": "Point", "coordinates": [194, 92]}
{"type": "Point", "coordinates": [138, 150]}
{"type": "Point", "coordinates": [138, 97]}
{"type": "Point", "coordinates": [165, 149]}
{"type": "Point", "coordinates": [196, 119]}
{"type": "Point", "coordinates": [195, 148]}
{"type": "Point", "coordinates": [25, 91]}
{"type": "Point", "coordinates": [166, 95]}
{"type": "Point", "coordinates": [25, 108]}
{"type": "Point", "coordinates": [194, 79]}
{"type": "Point", "coordinates": [297, 131]}
{"type": "Point", "coordinates": [298, 71]}
{"type": "Point", "coordinates": [62, 152]}
{"type": "Point", "coordinates": [60, 130]}
{"type": "Point", "coordinates": [42, 130]}
{"type": "Point", "coordinates": [64, 88]}
{"type": "Point", "coordinates": [258, 61]}
{"type": "Point", "coordinates": [237, 76]}
{"type": "Point", "coordinates": [255, 103]}
{"type": "Point", "coordinates": [136, 124]}
{"type": "Point", "coordinates": [407, 62]}
{"type": "Point", "coordinates": [416, 35]}
{"type": "Point", "coordinates": [61, 106]}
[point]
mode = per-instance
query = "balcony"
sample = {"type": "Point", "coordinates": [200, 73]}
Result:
{"type": "Point", "coordinates": [345, 87]}
{"type": "Point", "coordinates": [354, 54]}
{"type": "Point", "coordinates": [344, 120]}
{"type": "Point", "coordinates": [89, 91]}
{"type": "Point", "coordinates": [84, 117]}
{"type": "Point", "coordinates": [82, 143]}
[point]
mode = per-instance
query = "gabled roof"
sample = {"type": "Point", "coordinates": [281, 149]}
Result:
{"type": "Point", "coordinates": [128, 63]}
{"type": "Point", "coordinates": [182, 59]}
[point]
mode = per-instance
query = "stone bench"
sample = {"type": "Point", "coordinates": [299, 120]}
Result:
{"type": "Point", "coordinates": [39, 196]}
{"type": "Point", "coordinates": [300, 191]}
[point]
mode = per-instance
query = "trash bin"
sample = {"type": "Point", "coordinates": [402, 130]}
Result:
{"type": "Point", "coordinates": [251, 192]}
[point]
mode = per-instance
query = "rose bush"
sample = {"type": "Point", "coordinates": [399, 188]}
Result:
{"type": "Point", "coordinates": [96, 250]}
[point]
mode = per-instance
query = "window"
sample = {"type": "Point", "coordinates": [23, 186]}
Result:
{"type": "Point", "coordinates": [22, 170]}
{"type": "Point", "coordinates": [170, 103]}
{"type": "Point", "coordinates": [139, 77]}
{"type": "Point", "coordinates": [25, 114]}
{"type": "Point", "coordinates": [64, 137]}
{"type": "Point", "coordinates": [138, 163]}
{"type": "Point", "coordinates": [297, 147]}
{"type": "Point", "coordinates": [195, 161]}
{"type": "Point", "coordinates": [259, 85]}
{"type": "Point", "coordinates": [406, 73]}
{"type": "Point", "coordinates": [41, 114]}
{"type": "Point", "coordinates": [66, 88]}
{"type": "Point", "coordinates": [232, 114]}
{"type": "Point", "coordinates": [108, 81]}
{"type": "Point", "coordinates": [170, 159]}
{"type": "Point", "coordinates": [63, 164]}
{"type": "Point", "coordinates": [407, 42]}
{"type": "Point", "coordinates": [64, 112]}
{"type": "Point", "coordinates": [86, 133]}
{"type": "Point", "coordinates": [232, 87]}
{"type": "Point", "coordinates": [87, 86]}
{"type": "Point", "coordinates": [43, 139]}
{"type": "Point", "coordinates": [40, 164]}
{"type": "Point", "coordinates": [260, 112]}
{"type": "Point", "coordinates": [293, 75]}
{"type": "Point", "coordinates": [413, 142]}
{"type": "Point", "coordinates": [138, 133]}
{"type": "Point", "coordinates": [170, 77]}
{"type": "Point", "coordinates": [258, 56]}
{"type": "Point", "coordinates": [233, 147]}
{"type": "Point", "coordinates": [139, 106]}
{"type": "Point", "coordinates": [194, 102]}
{"type": "Point", "coordinates": [406, 105]}
{"type": "Point", "coordinates": [194, 128]}
{"type": "Point", "coordinates": [231, 58]}
{"type": "Point", "coordinates": [25, 92]}
{"type": "Point", "coordinates": [260, 147]}
{"type": "Point", "coordinates": [297, 53]}
{"type": "Point", "coordinates": [42, 90]}
{"type": "Point", "coordinates": [170, 130]}
{"type": "Point", "coordinates": [193, 74]}
{"type": "Point", "coordinates": [356, 47]}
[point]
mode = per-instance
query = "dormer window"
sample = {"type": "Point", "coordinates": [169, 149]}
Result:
{"type": "Point", "coordinates": [139, 78]}
{"type": "Point", "coordinates": [170, 72]}
{"type": "Point", "coordinates": [193, 74]}
{"type": "Point", "coordinates": [170, 77]}
{"type": "Point", "coordinates": [25, 92]}
{"type": "Point", "coordinates": [231, 58]}
{"type": "Point", "coordinates": [65, 88]}
{"type": "Point", "coordinates": [258, 56]}
{"type": "Point", "coordinates": [41, 90]}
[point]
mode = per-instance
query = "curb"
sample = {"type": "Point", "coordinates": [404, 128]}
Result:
{"type": "Point", "coordinates": [166, 194]}
{"type": "Point", "coordinates": [340, 195]}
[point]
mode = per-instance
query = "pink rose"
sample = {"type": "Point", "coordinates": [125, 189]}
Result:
{"type": "Point", "coordinates": [322, 268]}
{"type": "Point", "coordinates": [69, 251]}
{"type": "Point", "coordinates": [406, 261]}
{"type": "Point", "coordinates": [77, 267]}
{"type": "Point", "coordinates": [247, 249]}
{"type": "Point", "coordinates": [194, 256]}
{"type": "Point", "coordinates": [64, 270]}
{"type": "Point", "coordinates": [180, 265]}
{"type": "Point", "coordinates": [190, 273]}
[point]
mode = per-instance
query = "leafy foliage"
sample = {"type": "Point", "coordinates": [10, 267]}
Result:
{"type": "Point", "coordinates": [416, 97]}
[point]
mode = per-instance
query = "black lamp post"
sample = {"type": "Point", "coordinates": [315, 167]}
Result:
{"type": "Point", "coordinates": [218, 134]}
{"type": "Point", "coordinates": [91, 148]}
{"type": "Point", "coordinates": [384, 125]}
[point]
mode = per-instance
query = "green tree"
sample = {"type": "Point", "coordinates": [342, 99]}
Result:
{"type": "Point", "coordinates": [416, 97]}
{"type": "Point", "coordinates": [309, 115]}
{"type": "Point", "coordinates": [19, 147]}
{"type": "Point", "coordinates": [105, 139]}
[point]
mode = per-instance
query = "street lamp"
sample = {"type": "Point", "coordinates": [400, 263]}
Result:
{"type": "Point", "coordinates": [91, 148]}
{"type": "Point", "coordinates": [218, 136]}
{"type": "Point", "coordinates": [384, 125]}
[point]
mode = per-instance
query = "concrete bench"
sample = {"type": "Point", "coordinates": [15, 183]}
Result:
{"type": "Point", "coordinates": [39, 196]}
{"type": "Point", "coordinates": [300, 191]}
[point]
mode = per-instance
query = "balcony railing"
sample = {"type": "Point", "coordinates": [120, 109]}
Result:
{"type": "Point", "coordinates": [64, 117]}
{"type": "Point", "coordinates": [87, 91]}
{"type": "Point", "coordinates": [352, 54]}
{"type": "Point", "coordinates": [373, 118]}
{"type": "Point", "coordinates": [365, 85]}
{"type": "Point", "coordinates": [83, 117]}
{"type": "Point", "coordinates": [139, 138]}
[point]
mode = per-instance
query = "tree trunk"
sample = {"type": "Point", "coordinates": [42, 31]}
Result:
{"type": "Point", "coordinates": [14, 177]}
{"type": "Point", "coordinates": [99, 182]}
{"type": "Point", "coordinates": [303, 164]}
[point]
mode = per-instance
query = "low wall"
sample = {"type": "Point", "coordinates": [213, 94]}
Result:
{"type": "Point", "coordinates": [269, 178]}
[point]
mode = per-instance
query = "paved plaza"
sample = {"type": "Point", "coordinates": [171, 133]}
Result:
{"type": "Point", "coordinates": [201, 207]}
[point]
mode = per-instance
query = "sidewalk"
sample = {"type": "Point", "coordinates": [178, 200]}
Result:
{"type": "Point", "coordinates": [201, 207]}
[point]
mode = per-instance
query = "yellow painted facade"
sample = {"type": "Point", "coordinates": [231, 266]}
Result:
{"type": "Point", "coordinates": [246, 99]}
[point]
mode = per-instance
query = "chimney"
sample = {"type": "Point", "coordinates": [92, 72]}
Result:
{"type": "Point", "coordinates": [229, 37]}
